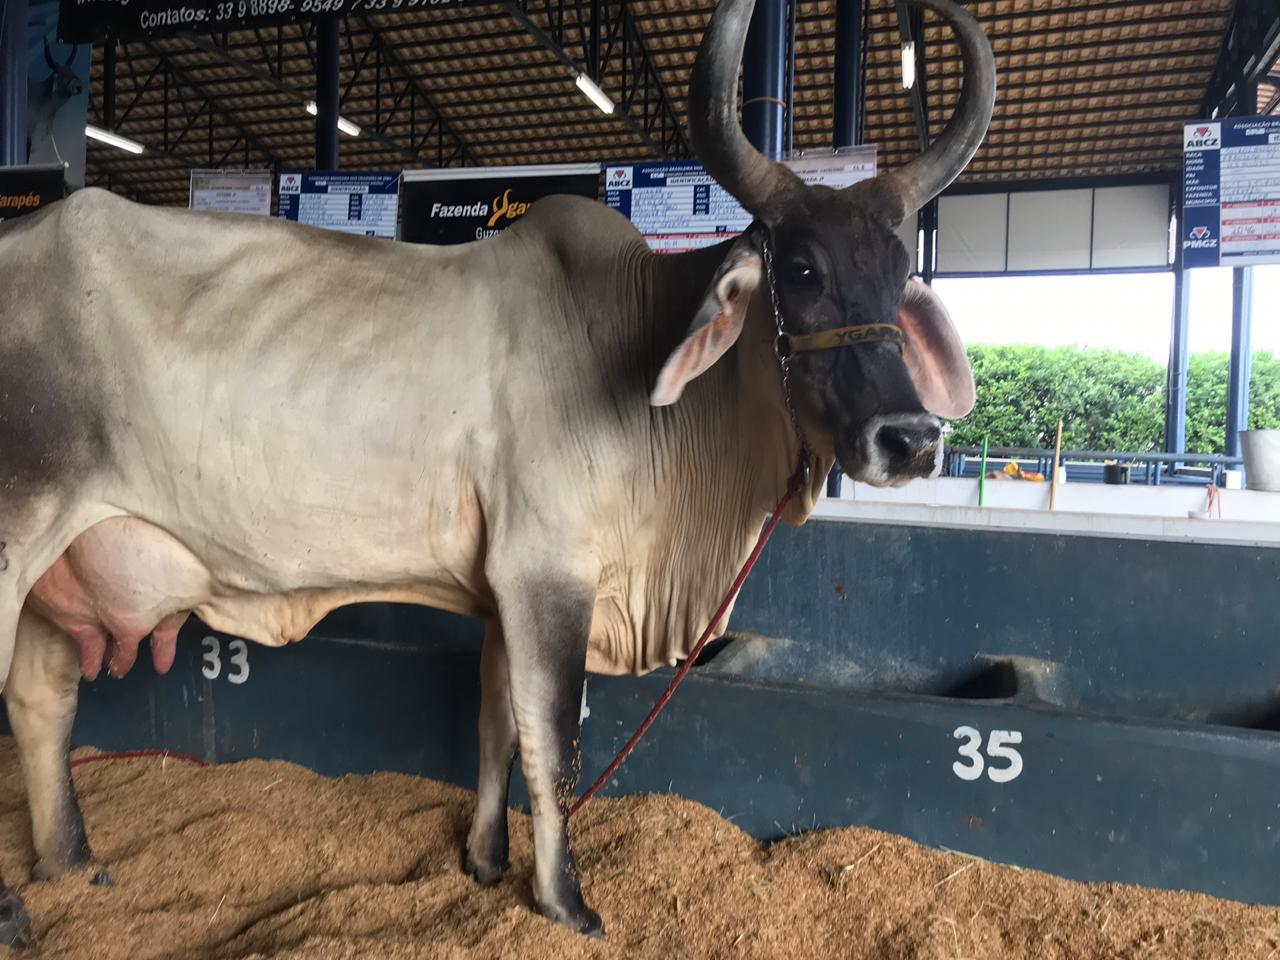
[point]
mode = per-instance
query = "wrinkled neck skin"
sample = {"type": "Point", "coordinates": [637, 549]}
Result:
{"type": "Point", "coordinates": [745, 419]}
{"type": "Point", "coordinates": [723, 454]}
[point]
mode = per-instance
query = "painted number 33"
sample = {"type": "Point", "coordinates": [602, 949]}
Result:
{"type": "Point", "coordinates": [237, 657]}
{"type": "Point", "coordinates": [972, 763]}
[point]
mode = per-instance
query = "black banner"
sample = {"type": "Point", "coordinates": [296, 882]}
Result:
{"type": "Point", "coordinates": [26, 189]}
{"type": "Point", "coordinates": [92, 21]}
{"type": "Point", "coordinates": [459, 206]}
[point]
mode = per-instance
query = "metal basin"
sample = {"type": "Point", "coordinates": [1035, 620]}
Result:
{"type": "Point", "coordinates": [1261, 450]}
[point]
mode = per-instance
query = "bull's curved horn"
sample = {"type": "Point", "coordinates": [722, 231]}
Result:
{"type": "Point", "coordinates": [932, 172]}
{"type": "Point", "coordinates": [761, 185]}
{"type": "Point", "coordinates": [48, 56]}
{"type": "Point", "coordinates": [71, 56]}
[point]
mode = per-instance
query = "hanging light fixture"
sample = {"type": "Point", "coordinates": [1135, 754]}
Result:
{"type": "Point", "coordinates": [112, 139]}
{"type": "Point", "coordinates": [594, 93]}
{"type": "Point", "coordinates": [345, 125]}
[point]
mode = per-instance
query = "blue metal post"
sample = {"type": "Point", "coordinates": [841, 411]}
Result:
{"type": "Point", "coordinates": [109, 84]}
{"type": "Point", "coordinates": [846, 127]}
{"type": "Point", "coordinates": [327, 95]}
{"type": "Point", "coordinates": [764, 77]}
{"type": "Point", "coordinates": [1241, 323]}
{"type": "Point", "coordinates": [847, 109]}
{"type": "Point", "coordinates": [1175, 398]}
{"type": "Point", "coordinates": [13, 83]}
{"type": "Point", "coordinates": [1175, 403]}
{"type": "Point", "coordinates": [1241, 357]}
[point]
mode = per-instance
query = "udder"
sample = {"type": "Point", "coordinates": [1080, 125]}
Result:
{"type": "Point", "coordinates": [118, 583]}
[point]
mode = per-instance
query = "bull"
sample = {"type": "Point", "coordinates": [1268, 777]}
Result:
{"type": "Point", "coordinates": [258, 422]}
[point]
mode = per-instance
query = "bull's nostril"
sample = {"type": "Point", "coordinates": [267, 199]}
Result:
{"type": "Point", "coordinates": [895, 441]}
{"type": "Point", "coordinates": [903, 443]}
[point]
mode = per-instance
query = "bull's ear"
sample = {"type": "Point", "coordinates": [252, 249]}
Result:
{"type": "Point", "coordinates": [718, 322]}
{"type": "Point", "coordinates": [935, 354]}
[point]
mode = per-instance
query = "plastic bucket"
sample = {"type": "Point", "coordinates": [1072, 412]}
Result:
{"type": "Point", "coordinates": [1261, 450]}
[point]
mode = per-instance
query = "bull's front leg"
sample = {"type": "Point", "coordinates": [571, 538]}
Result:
{"type": "Point", "coordinates": [41, 695]}
{"type": "Point", "coordinates": [486, 859]}
{"type": "Point", "coordinates": [545, 625]}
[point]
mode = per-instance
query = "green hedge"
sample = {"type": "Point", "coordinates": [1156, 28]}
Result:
{"type": "Point", "coordinates": [1108, 399]}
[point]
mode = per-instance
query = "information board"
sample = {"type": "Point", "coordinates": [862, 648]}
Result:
{"type": "Point", "coordinates": [1231, 192]}
{"type": "Point", "coordinates": [91, 21]}
{"type": "Point", "coordinates": [231, 191]}
{"type": "Point", "coordinates": [462, 205]}
{"type": "Point", "coordinates": [678, 207]}
{"type": "Point", "coordinates": [362, 203]}
{"type": "Point", "coordinates": [26, 189]}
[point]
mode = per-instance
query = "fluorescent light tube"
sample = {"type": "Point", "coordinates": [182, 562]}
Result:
{"type": "Point", "coordinates": [112, 139]}
{"type": "Point", "coordinates": [594, 93]}
{"type": "Point", "coordinates": [345, 125]}
{"type": "Point", "coordinates": [908, 65]}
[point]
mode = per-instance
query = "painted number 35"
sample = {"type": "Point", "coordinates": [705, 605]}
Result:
{"type": "Point", "coordinates": [237, 657]}
{"type": "Point", "coordinates": [999, 749]}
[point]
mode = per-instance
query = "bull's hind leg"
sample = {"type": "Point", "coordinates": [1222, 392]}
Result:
{"type": "Point", "coordinates": [41, 699]}
{"type": "Point", "coordinates": [32, 536]}
{"type": "Point", "coordinates": [15, 927]}
{"type": "Point", "coordinates": [546, 624]}
{"type": "Point", "coordinates": [487, 843]}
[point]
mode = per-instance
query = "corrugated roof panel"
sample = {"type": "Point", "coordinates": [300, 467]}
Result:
{"type": "Point", "coordinates": [1086, 87]}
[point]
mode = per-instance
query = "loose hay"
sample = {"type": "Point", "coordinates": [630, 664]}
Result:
{"type": "Point", "coordinates": [257, 860]}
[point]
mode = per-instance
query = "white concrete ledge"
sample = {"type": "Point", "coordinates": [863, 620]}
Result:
{"type": "Point", "coordinates": [1249, 518]}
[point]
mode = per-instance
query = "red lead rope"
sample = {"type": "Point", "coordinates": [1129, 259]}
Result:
{"type": "Point", "coordinates": [793, 487]}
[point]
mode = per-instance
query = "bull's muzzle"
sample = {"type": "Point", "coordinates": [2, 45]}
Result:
{"type": "Point", "coordinates": [899, 447]}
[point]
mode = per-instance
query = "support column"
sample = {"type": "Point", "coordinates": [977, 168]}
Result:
{"type": "Point", "coordinates": [1241, 322]}
{"type": "Point", "coordinates": [1175, 397]}
{"type": "Point", "coordinates": [1241, 357]}
{"type": "Point", "coordinates": [327, 94]}
{"type": "Point", "coordinates": [13, 83]}
{"type": "Point", "coordinates": [1175, 404]}
{"type": "Point", "coordinates": [109, 84]}
{"type": "Point", "coordinates": [928, 223]}
{"type": "Point", "coordinates": [846, 127]}
{"type": "Point", "coordinates": [764, 77]}
{"type": "Point", "coordinates": [847, 109]}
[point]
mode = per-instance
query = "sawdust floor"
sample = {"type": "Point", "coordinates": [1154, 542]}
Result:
{"type": "Point", "coordinates": [265, 859]}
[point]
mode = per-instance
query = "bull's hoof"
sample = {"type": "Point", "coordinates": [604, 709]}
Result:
{"type": "Point", "coordinates": [46, 870]}
{"type": "Point", "coordinates": [15, 926]}
{"type": "Point", "coordinates": [484, 873]}
{"type": "Point", "coordinates": [579, 918]}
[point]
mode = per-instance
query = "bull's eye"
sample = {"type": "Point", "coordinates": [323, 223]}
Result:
{"type": "Point", "coordinates": [801, 273]}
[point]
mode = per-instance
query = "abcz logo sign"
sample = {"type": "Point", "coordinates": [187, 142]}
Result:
{"type": "Point", "coordinates": [1204, 137]}
{"type": "Point", "coordinates": [1230, 192]}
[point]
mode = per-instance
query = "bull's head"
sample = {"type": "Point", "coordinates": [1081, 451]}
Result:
{"type": "Point", "coordinates": [837, 263]}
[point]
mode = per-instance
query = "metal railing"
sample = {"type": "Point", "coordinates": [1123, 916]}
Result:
{"type": "Point", "coordinates": [1152, 469]}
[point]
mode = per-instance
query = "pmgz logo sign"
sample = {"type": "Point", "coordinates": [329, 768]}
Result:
{"type": "Point", "coordinates": [1200, 238]}
{"type": "Point", "coordinates": [1206, 136]}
